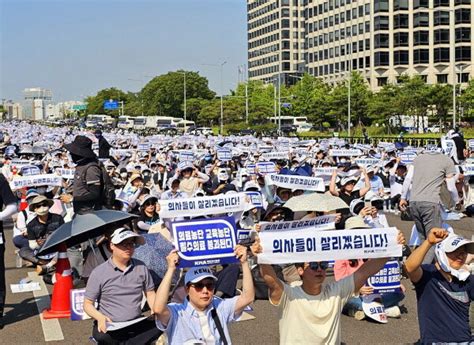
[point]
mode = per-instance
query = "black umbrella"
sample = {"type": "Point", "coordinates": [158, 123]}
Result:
{"type": "Point", "coordinates": [84, 227]}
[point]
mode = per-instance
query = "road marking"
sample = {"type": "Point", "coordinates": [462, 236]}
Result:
{"type": "Point", "coordinates": [51, 328]}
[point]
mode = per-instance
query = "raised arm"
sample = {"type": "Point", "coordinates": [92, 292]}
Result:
{"type": "Point", "coordinates": [160, 306]}
{"type": "Point", "coordinates": [332, 184]}
{"type": "Point", "coordinates": [414, 261]}
{"type": "Point", "coordinates": [248, 290]}
{"type": "Point", "coordinates": [363, 191]}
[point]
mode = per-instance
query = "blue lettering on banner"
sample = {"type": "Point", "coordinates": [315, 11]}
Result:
{"type": "Point", "coordinates": [224, 155]}
{"type": "Point", "coordinates": [387, 279]}
{"type": "Point", "coordinates": [205, 241]}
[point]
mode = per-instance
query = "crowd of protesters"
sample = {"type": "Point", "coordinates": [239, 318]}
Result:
{"type": "Point", "coordinates": [123, 171]}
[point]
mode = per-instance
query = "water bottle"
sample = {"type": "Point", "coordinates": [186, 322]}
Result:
{"type": "Point", "coordinates": [18, 260]}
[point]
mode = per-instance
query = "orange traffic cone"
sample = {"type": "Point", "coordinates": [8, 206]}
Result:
{"type": "Point", "coordinates": [61, 300]}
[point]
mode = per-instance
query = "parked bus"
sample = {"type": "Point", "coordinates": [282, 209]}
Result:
{"type": "Point", "coordinates": [299, 122]}
{"type": "Point", "coordinates": [125, 122]}
{"type": "Point", "coordinates": [94, 120]}
{"type": "Point", "coordinates": [167, 121]}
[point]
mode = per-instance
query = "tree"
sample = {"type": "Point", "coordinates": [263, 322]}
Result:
{"type": "Point", "coordinates": [414, 97]}
{"type": "Point", "coordinates": [440, 98]}
{"type": "Point", "coordinates": [164, 94]}
{"type": "Point", "coordinates": [467, 101]}
{"type": "Point", "coordinates": [95, 104]}
{"type": "Point", "coordinates": [384, 105]}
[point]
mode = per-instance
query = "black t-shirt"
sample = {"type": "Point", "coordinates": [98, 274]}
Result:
{"type": "Point", "coordinates": [348, 198]}
{"type": "Point", "coordinates": [37, 230]}
{"type": "Point", "coordinates": [443, 307]}
{"type": "Point", "coordinates": [6, 196]}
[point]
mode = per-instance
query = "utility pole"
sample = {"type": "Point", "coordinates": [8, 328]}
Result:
{"type": "Point", "coordinates": [246, 103]}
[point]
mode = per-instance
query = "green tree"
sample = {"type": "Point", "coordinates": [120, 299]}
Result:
{"type": "Point", "coordinates": [164, 95]}
{"type": "Point", "coordinates": [440, 99]}
{"type": "Point", "coordinates": [467, 101]}
{"type": "Point", "coordinates": [95, 104]}
{"type": "Point", "coordinates": [414, 97]}
{"type": "Point", "coordinates": [384, 105]}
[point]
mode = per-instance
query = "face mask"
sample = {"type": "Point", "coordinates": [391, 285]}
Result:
{"type": "Point", "coordinates": [123, 175]}
{"type": "Point", "coordinates": [462, 274]}
{"type": "Point", "coordinates": [43, 210]}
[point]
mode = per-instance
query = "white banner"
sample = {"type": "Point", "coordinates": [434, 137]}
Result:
{"type": "Point", "coordinates": [19, 163]}
{"type": "Point", "coordinates": [120, 152]}
{"type": "Point", "coordinates": [324, 171]}
{"type": "Point", "coordinates": [224, 155]}
{"type": "Point", "coordinates": [36, 180]}
{"type": "Point", "coordinates": [186, 156]}
{"type": "Point", "coordinates": [296, 182]}
{"type": "Point", "coordinates": [206, 205]}
{"type": "Point", "coordinates": [274, 155]}
{"type": "Point", "coordinates": [344, 153]}
{"type": "Point", "coordinates": [143, 147]}
{"type": "Point", "coordinates": [367, 161]}
{"type": "Point", "coordinates": [471, 144]}
{"type": "Point", "coordinates": [306, 245]}
{"type": "Point", "coordinates": [319, 223]}
{"type": "Point", "coordinates": [264, 168]}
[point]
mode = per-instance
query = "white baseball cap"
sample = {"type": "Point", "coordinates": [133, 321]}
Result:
{"type": "Point", "coordinates": [453, 242]}
{"type": "Point", "coordinates": [122, 234]}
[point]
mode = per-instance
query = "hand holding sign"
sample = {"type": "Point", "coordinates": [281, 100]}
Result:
{"type": "Point", "coordinates": [102, 323]}
{"type": "Point", "coordinates": [241, 253]}
{"type": "Point", "coordinates": [172, 259]}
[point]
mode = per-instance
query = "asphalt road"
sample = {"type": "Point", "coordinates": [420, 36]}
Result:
{"type": "Point", "coordinates": [23, 326]}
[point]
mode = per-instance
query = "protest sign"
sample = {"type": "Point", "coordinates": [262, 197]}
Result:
{"type": "Point", "coordinates": [296, 182]}
{"type": "Point", "coordinates": [267, 156]}
{"type": "Point", "coordinates": [77, 305]}
{"type": "Point", "coordinates": [120, 152]}
{"type": "Point", "coordinates": [186, 156]}
{"type": "Point", "coordinates": [66, 173]}
{"type": "Point", "coordinates": [305, 245]}
{"type": "Point", "coordinates": [264, 168]}
{"type": "Point", "coordinates": [448, 146]}
{"type": "Point", "coordinates": [407, 157]}
{"type": "Point", "coordinates": [345, 153]}
{"type": "Point", "coordinates": [387, 279]}
{"type": "Point", "coordinates": [19, 163]}
{"type": "Point", "coordinates": [471, 144]}
{"type": "Point", "coordinates": [255, 199]}
{"type": "Point", "coordinates": [373, 308]}
{"type": "Point", "coordinates": [205, 242]}
{"type": "Point", "coordinates": [206, 205]}
{"type": "Point", "coordinates": [224, 155]}
{"type": "Point", "coordinates": [319, 223]}
{"type": "Point", "coordinates": [324, 171]}
{"type": "Point", "coordinates": [35, 181]}
{"type": "Point", "coordinates": [250, 169]}
{"type": "Point", "coordinates": [143, 147]}
{"type": "Point", "coordinates": [468, 169]}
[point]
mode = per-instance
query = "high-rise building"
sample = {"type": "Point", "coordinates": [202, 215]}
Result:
{"type": "Point", "coordinates": [275, 31]}
{"type": "Point", "coordinates": [35, 103]}
{"type": "Point", "coordinates": [382, 39]}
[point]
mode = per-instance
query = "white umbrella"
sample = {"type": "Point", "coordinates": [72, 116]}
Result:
{"type": "Point", "coordinates": [315, 202]}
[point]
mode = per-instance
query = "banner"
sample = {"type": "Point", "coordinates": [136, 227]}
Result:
{"type": "Point", "coordinates": [120, 152]}
{"type": "Point", "coordinates": [296, 182]}
{"type": "Point", "coordinates": [387, 279]}
{"type": "Point", "coordinates": [66, 173]}
{"type": "Point", "coordinates": [206, 205]}
{"type": "Point", "coordinates": [471, 144]}
{"type": "Point", "coordinates": [77, 305]}
{"type": "Point", "coordinates": [306, 245]}
{"type": "Point", "coordinates": [264, 168]}
{"type": "Point", "coordinates": [344, 153]}
{"type": "Point", "coordinates": [19, 162]}
{"type": "Point", "coordinates": [274, 155]}
{"type": "Point", "coordinates": [367, 161]}
{"type": "Point", "coordinates": [224, 155]}
{"type": "Point", "coordinates": [205, 242]}
{"type": "Point", "coordinates": [319, 223]}
{"type": "Point", "coordinates": [448, 146]}
{"type": "Point", "coordinates": [35, 181]}
{"type": "Point", "coordinates": [324, 171]}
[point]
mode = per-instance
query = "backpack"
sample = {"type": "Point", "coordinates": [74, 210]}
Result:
{"type": "Point", "coordinates": [107, 192]}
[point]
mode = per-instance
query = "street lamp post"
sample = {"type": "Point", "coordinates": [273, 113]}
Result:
{"type": "Point", "coordinates": [184, 94]}
{"type": "Point", "coordinates": [221, 65]}
{"type": "Point", "coordinates": [453, 57]}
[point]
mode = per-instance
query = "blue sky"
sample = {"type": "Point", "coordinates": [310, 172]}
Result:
{"type": "Point", "coordinates": [77, 47]}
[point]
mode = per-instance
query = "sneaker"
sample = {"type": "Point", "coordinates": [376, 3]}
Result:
{"type": "Point", "coordinates": [393, 312]}
{"type": "Point", "coordinates": [359, 315]}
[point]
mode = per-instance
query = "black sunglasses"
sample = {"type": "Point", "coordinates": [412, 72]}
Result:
{"type": "Point", "coordinates": [42, 204]}
{"type": "Point", "coordinates": [199, 286]}
{"type": "Point", "coordinates": [316, 265]}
